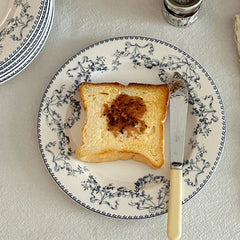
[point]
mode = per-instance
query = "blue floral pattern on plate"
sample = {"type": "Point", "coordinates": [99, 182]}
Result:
{"type": "Point", "coordinates": [19, 26]}
{"type": "Point", "coordinates": [19, 22]}
{"type": "Point", "coordinates": [23, 34]}
{"type": "Point", "coordinates": [144, 193]}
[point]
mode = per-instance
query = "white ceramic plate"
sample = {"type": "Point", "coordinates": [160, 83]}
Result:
{"type": "Point", "coordinates": [30, 51]}
{"type": "Point", "coordinates": [18, 24]}
{"type": "Point", "coordinates": [128, 189]}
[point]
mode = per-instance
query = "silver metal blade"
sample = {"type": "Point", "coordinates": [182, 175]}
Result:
{"type": "Point", "coordinates": [178, 119]}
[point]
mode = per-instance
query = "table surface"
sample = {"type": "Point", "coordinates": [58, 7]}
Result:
{"type": "Point", "coordinates": [33, 207]}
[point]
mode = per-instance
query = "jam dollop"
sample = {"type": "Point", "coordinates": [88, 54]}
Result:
{"type": "Point", "coordinates": [124, 114]}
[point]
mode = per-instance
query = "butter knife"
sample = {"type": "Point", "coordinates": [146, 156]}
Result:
{"type": "Point", "coordinates": [178, 118]}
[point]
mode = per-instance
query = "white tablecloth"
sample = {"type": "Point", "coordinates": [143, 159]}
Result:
{"type": "Point", "coordinates": [31, 204]}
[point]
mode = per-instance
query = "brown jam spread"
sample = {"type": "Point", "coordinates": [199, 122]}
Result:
{"type": "Point", "coordinates": [124, 115]}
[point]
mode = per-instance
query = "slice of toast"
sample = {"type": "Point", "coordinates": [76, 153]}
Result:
{"type": "Point", "coordinates": [124, 122]}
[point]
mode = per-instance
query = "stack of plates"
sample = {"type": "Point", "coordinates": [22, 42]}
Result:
{"type": "Point", "coordinates": [24, 28]}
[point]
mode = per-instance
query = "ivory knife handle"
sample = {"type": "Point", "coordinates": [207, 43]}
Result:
{"type": "Point", "coordinates": [174, 227]}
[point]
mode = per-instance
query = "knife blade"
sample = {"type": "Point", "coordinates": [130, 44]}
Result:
{"type": "Point", "coordinates": [178, 119]}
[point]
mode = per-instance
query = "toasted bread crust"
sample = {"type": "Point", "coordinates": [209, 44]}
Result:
{"type": "Point", "coordinates": [113, 154]}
